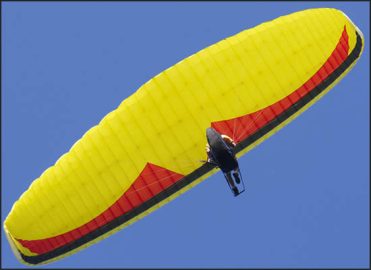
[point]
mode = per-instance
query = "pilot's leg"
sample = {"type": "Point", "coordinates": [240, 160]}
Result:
{"type": "Point", "coordinates": [236, 175]}
{"type": "Point", "coordinates": [231, 183]}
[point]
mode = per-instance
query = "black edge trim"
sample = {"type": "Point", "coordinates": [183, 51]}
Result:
{"type": "Point", "coordinates": [185, 181]}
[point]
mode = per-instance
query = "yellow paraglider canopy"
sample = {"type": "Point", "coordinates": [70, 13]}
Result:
{"type": "Point", "coordinates": [247, 86]}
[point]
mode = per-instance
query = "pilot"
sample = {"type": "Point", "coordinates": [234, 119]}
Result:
{"type": "Point", "coordinates": [231, 144]}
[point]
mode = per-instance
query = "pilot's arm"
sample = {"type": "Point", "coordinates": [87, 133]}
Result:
{"type": "Point", "coordinates": [228, 140]}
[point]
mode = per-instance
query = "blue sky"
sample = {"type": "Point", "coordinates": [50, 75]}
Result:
{"type": "Point", "coordinates": [66, 65]}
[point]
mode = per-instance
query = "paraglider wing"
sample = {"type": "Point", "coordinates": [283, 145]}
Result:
{"type": "Point", "coordinates": [147, 151]}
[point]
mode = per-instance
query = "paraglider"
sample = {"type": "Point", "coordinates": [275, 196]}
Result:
{"type": "Point", "coordinates": [246, 87]}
